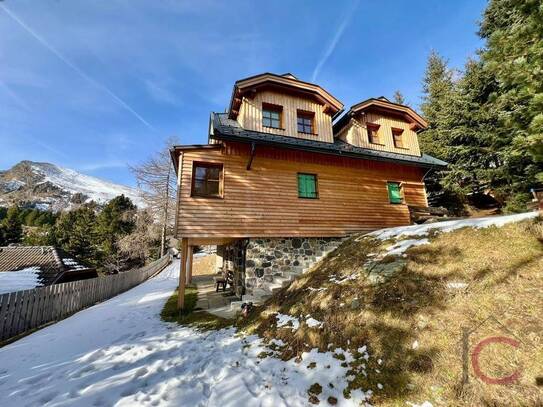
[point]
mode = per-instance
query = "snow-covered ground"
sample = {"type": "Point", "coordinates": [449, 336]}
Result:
{"type": "Point", "coordinates": [450, 225]}
{"type": "Point", "coordinates": [420, 231]}
{"type": "Point", "coordinates": [120, 353]}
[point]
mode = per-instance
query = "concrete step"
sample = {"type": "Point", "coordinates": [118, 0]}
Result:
{"type": "Point", "coordinates": [282, 280]}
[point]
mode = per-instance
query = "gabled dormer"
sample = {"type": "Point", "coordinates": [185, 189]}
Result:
{"type": "Point", "coordinates": [379, 124]}
{"type": "Point", "coordinates": [284, 105]}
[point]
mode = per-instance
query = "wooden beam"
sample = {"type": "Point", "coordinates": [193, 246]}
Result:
{"type": "Point", "coordinates": [198, 241]}
{"type": "Point", "coordinates": [189, 264]}
{"type": "Point", "coordinates": [253, 149]}
{"type": "Point", "coordinates": [182, 275]}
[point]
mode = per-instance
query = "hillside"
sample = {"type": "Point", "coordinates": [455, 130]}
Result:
{"type": "Point", "coordinates": [398, 301]}
{"type": "Point", "coordinates": [48, 186]}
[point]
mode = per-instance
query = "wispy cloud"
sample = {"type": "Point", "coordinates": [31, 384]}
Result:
{"type": "Point", "coordinates": [75, 68]}
{"type": "Point", "coordinates": [20, 102]}
{"type": "Point", "coordinates": [345, 20]}
{"type": "Point", "coordinates": [102, 165]}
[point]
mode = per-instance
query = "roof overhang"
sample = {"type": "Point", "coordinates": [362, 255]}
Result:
{"type": "Point", "coordinates": [288, 84]}
{"type": "Point", "coordinates": [175, 150]}
{"type": "Point", "coordinates": [416, 121]}
{"type": "Point", "coordinates": [312, 149]}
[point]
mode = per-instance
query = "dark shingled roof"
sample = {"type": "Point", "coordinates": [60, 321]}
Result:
{"type": "Point", "coordinates": [51, 262]}
{"type": "Point", "coordinates": [224, 128]}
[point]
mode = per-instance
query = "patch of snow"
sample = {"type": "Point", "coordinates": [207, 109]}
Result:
{"type": "Point", "coordinates": [283, 321]}
{"type": "Point", "coordinates": [277, 342]}
{"type": "Point", "coordinates": [316, 289]}
{"type": "Point", "coordinates": [457, 285]}
{"type": "Point", "coordinates": [424, 404]}
{"type": "Point", "coordinates": [119, 353]}
{"type": "Point", "coordinates": [42, 206]}
{"type": "Point", "coordinates": [25, 279]}
{"type": "Point", "coordinates": [12, 185]}
{"type": "Point", "coordinates": [340, 280]}
{"type": "Point", "coordinates": [402, 246]}
{"type": "Point", "coordinates": [448, 226]}
{"type": "Point", "coordinates": [72, 264]}
{"type": "Point", "coordinates": [312, 322]}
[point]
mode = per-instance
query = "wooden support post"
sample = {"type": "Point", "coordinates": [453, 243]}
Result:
{"type": "Point", "coordinates": [182, 274]}
{"type": "Point", "coordinates": [189, 264]}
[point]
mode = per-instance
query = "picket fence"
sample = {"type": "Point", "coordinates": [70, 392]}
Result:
{"type": "Point", "coordinates": [23, 311]}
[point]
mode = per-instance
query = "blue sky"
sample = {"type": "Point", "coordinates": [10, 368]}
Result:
{"type": "Point", "coordinates": [97, 85]}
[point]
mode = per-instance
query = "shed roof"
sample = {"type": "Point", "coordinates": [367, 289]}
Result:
{"type": "Point", "coordinates": [224, 128]}
{"type": "Point", "coordinates": [50, 262]}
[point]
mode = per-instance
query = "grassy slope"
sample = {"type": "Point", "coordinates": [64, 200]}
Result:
{"type": "Point", "coordinates": [413, 321]}
{"type": "Point", "coordinates": [188, 316]}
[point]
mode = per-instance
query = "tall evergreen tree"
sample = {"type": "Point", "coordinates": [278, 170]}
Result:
{"type": "Point", "coordinates": [439, 98]}
{"type": "Point", "coordinates": [398, 98]}
{"type": "Point", "coordinates": [12, 226]}
{"type": "Point", "coordinates": [75, 233]}
{"type": "Point", "coordinates": [438, 91]}
{"type": "Point", "coordinates": [2, 235]}
{"type": "Point", "coordinates": [116, 220]}
{"type": "Point", "coordinates": [471, 126]}
{"type": "Point", "coordinates": [514, 54]}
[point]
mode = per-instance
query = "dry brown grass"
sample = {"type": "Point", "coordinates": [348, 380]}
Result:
{"type": "Point", "coordinates": [502, 268]}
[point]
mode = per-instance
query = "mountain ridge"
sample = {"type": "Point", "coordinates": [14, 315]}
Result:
{"type": "Point", "coordinates": [45, 185]}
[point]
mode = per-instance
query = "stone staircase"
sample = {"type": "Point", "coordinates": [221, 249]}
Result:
{"type": "Point", "coordinates": [283, 279]}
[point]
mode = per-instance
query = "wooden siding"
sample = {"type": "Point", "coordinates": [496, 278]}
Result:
{"type": "Point", "coordinates": [356, 133]}
{"type": "Point", "coordinates": [250, 115]}
{"type": "Point", "coordinates": [263, 201]}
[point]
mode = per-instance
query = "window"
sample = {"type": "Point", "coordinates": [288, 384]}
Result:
{"type": "Point", "coordinates": [305, 122]}
{"type": "Point", "coordinates": [271, 115]}
{"type": "Point", "coordinates": [307, 186]}
{"type": "Point", "coordinates": [373, 137]}
{"type": "Point", "coordinates": [394, 192]}
{"type": "Point", "coordinates": [397, 137]}
{"type": "Point", "coordinates": [207, 180]}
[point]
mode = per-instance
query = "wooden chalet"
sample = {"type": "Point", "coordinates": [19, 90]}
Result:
{"type": "Point", "coordinates": [285, 163]}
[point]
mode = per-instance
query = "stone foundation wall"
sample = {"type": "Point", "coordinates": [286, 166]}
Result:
{"type": "Point", "coordinates": [267, 259]}
{"type": "Point", "coordinates": [230, 258]}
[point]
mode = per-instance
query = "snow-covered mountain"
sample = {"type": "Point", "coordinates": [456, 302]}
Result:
{"type": "Point", "coordinates": [48, 186]}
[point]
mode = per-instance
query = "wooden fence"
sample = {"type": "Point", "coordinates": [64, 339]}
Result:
{"type": "Point", "coordinates": [23, 311]}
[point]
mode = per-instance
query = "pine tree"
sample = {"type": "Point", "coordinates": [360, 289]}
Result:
{"type": "Point", "coordinates": [74, 232]}
{"type": "Point", "coordinates": [471, 126]}
{"type": "Point", "coordinates": [439, 100]}
{"type": "Point", "coordinates": [2, 235]}
{"type": "Point", "coordinates": [514, 54]}
{"type": "Point", "coordinates": [438, 92]}
{"type": "Point", "coordinates": [116, 220]}
{"type": "Point", "coordinates": [12, 226]}
{"type": "Point", "coordinates": [398, 98]}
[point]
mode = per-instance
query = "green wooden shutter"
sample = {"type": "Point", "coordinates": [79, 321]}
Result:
{"type": "Point", "coordinates": [394, 193]}
{"type": "Point", "coordinates": [301, 185]}
{"type": "Point", "coordinates": [307, 187]}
